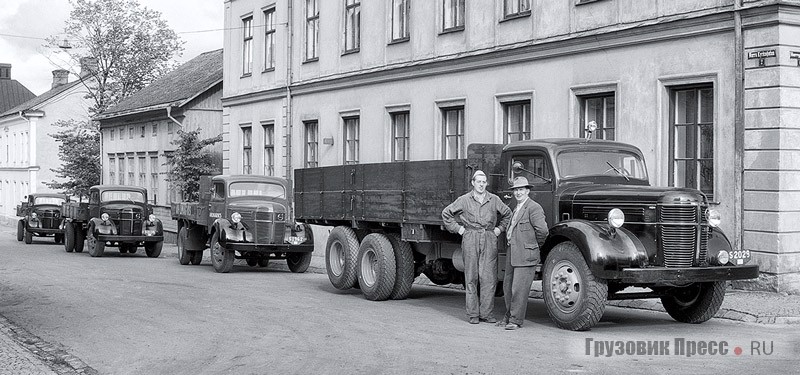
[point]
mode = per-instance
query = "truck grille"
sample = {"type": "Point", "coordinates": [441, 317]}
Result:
{"type": "Point", "coordinates": [129, 222]}
{"type": "Point", "coordinates": [50, 219]}
{"type": "Point", "coordinates": [267, 227]}
{"type": "Point", "coordinates": [683, 237]}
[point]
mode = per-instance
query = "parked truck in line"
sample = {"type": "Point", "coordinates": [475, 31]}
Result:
{"type": "Point", "coordinates": [242, 216]}
{"type": "Point", "coordinates": [114, 216]}
{"type": "Point", "coordinates": [609, 229]}
{"type": "Point", "coordinates": [40, 216]}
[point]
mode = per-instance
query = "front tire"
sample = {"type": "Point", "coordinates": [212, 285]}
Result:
{"type": "Point", "coordinates": [341, 257]}
{"type": "Point", "coordinates": [184, 257]}
{"type": "Point", "coordinates": [95, 247]}
{"type": "Point", "coordinates": [376, 267]}
{"type": "Point", "coordinates": [221, 258]}
{"type": "Point", "coordinates": [69, 237]}
{"type": "Point", "coordinates": [153, 249]}
{"type": "Point", "coordinates": [695, 303]}
{"type": "Point", "coordinates": [28, 237]}
{"type": "Point", "coordinates": [298, 262]}
{"type": "Point", "coordinates": [20, 230]}
{"type": "Point", "coordinates": [575, 299]}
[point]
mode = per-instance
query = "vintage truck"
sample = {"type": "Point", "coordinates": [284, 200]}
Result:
{"type": "Point", "coordinates": [609, 229]}
{"type": "Point", "coordinates": [114, 216]}
{"type": "Point", "coordinates": [41, 216]}
{"type": "Point", "coordinates": [245, 214]}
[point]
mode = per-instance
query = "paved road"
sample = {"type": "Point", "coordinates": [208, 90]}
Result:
{"type": "Point", "coordinates": [129, 314]}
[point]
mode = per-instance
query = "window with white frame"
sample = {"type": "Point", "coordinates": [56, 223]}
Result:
{"type": "Point", "coordinates": [312, 144]}
{"type": "Point", "coordinates": [400, 16]}
{"type": "Point", "coordinates": [600, 108]}
{"type": "Point", "coordinates": [692, 138]}
{"type": "Point", "coordinates": [247, 45]}
{"type": "Point", "coordinates": [453, 133]}
{"type": "Point", "coordinates": [352, 25]}
{"type": "Point", "coordinates": [351, 140]}
{"type": "Point", "coordinates": [130, 132]}
{"type": "Point", "coordinates": [131, 170]}
{"type": "Point", "coordinates": [269, 149]}
{"type": "Point", "coordinates": [517, 121]}
{"type": "Point", "coordinates": [452, 15]}
{"type": "Point", "coordinates": [121, 164]}
{"type": "Point", "coordinates": [516, 8]}
{"type": "Point", "coordinates": [247, 150]}
{"type": "Point", "coordinates": [111, 135]}
{"type": "Point", "coordinates": [400, 136]}
{"type": "Point", "coordinates": [312, 30]}
{"type": "Point", "coordinates": [269, 39]}
{"type": "Point", "coordinates": [112, 170]}
{"type": "Point", "coordinates": [143, 171]}
{"type": "Point", "coordinates": [155, 130]}
{"type": "Point", "coordinates": [154, 168]}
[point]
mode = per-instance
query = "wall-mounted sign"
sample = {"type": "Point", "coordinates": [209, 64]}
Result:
{"type": "Point", "coordinates": [761, 54]}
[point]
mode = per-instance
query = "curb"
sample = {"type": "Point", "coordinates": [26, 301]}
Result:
{"type": "Point", "coordinates": [52, 355]}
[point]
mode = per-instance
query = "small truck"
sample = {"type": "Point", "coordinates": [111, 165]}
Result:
{"type": "Point", "coordinates": [41, 216]}
{"type": "Point", "coordinates": [609, 229]}
{"type": "Point", "coordinates": [242, 217]}
{"type": "Point", "coordinates": [114, 216]}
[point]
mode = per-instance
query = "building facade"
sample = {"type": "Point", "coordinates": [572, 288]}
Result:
{"type": "Point", "coordinates": [137, 133]}
{"type": "Point", "coordinates": [27, 151]}
{"type": "Point", "coordinates": [706, 88]}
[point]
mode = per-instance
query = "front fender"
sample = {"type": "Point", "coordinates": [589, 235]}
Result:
{"type": "Point", "coordinates": [230, 232]}
{"type": "Point", "coordinates": [717, 241]}
{"type": "Point", "coordinates": [605, 251]}
{"type": "Point", "coordinates": [102, 227]}
{"type": "Point", "coordinates": [153, 228]}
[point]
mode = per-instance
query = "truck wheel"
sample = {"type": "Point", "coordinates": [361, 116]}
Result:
{"type": "Point", "coordinates": [152, 249]}
{"type": "Point", "coordinates": [20, 230]}
{"type": "Point", "coordinates": [184, 257]}
{"type": "Point", "coordinates": [196, 257]}
{"type": "Point", "coordinates": [252, 262]}
{"type": "Point", "coordinates": [298, 262]}
{"type": "Point", "coordinates": [341, 254]}
{"type": "Point", "coordinates": [404, 274]}
{"type": "Point", "coordinates": [80, 237]}
{"type": "Point", "coordinates": [131, 248]}
{"type": "Point", "coordinates": [695, 303]}
{"type": "Point", "coordinates": [575, 299]}
{"type": "Point", "coordinates": [95, 247]}
{"type": "Point", "coordinates": [28, 237]}
{"type": "Point", "coordinates": [376, 267]}
{"type": "Point", "coordinates": [221, 259]}
{"type": "Point", "coordinates": [69, 237]}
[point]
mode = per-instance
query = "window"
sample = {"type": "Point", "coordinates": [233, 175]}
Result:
{"type": "Point", "coordinates": [400, 135]}
{"type": "Point", "coordinates": [269, 150]}
{"type": "Point", "coordinates": [352, 25]}
{"type": "Point", "coordinates": [600, 109]}
{"type": "Point", "coordinates": [351, 140]}
{"type": "Point", "coordinates": [169, 128]}
{"type": "Point", "coordinates": [516, 8]}
{"type": "Point", "coordinates": [111, 135]}
{"type": "Point", "coordinates": [247, 46]}
{"type": "Point", "coordinates": [154, 178]}
{"type": "Point", "coordinates": [143, 171]}
{"type": "Point", "coordinates": [141, 135]}
{"type": "Point", "coordinates": [121, 160]}
{"type": "Point", "coordinates": [269, 39]}
{"type": "Point", "coordinates": [130, 132]}
{"type": "Point", "coordinates": [452, 15]}
{"type": "Point", "coordinates": [517, 121]}
{"type": "Point", "coordinates": [400, 20]}
{"type": "Point", "coordinates": [155, 130]}
{"type": "Point", "coordinates": [112, 168]}
{"type": "Point", "coordinates": [247, 150]}
{"type": "Point", "coordinates": [312, 144]}
{"type": "Point", "coordinates": [312, 30]}
{"type": "Point", "coordinates": [131, 171]}
{"type": "Point", "coordinates": [692, 138]}
{"type": "Point", "coordinates": [453, 134]}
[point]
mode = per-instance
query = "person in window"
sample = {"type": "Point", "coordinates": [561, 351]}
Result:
{"type": "Point", "coordinates": [526, 233]}
{"type": "Point", "coordinates": [479, 217]}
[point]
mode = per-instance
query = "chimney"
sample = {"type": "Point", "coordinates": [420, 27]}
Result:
{"type": "Point", "coordinates": [60, 77]}
{"type": "Point", "coordinates": [5, 71]}
{"type": "Point", "coordinates": [88, 65]}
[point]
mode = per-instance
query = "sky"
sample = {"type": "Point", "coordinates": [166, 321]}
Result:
{"type": "Point", "coordinates": [29, 21]}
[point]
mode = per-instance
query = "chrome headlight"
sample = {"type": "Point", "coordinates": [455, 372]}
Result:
{"type": "Point", "coordinates": [236, 217]}
{"type": "Point", "coordinates": [151, 218]}
{"type": "Point", "coordinates": [713, 217]}
{"type": "Point", "coordinates": [616, 218]}
{"type": "Point", "coordinates": [33, 215]}
{"type": "Point", "coordinates": [723, 257]}
{"type": "Point", "coordinates": [104, 216]}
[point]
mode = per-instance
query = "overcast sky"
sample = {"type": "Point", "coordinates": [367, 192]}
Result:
{"type": "Point", "coordinates": [32, 62]}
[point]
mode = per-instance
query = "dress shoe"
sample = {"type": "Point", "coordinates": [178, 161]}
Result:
{"type": "Point", "coordinates": [489, 320]}
{"type": "Point", "coordinates": [512, 326]}
{"type": "Point", "coordinates": [502, 323]}
{"type": "Point", "coordinates": [474, 320]}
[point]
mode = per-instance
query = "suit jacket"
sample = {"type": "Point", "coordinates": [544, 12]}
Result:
{"type": "Point", "coordinates": [528, 232]}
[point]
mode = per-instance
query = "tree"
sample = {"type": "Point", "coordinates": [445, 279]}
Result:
{"type": "Point", "coordinates": [79, 150]}
{"type": "Point", "coordinates": [190, 161]}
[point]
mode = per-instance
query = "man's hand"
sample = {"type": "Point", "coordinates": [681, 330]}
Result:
{"type": "Point", "coordinates": [496, 232]}
{"type": "Point", "coordinates": [461, 231]}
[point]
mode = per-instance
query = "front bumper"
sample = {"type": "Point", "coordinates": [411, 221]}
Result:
{"type": "Point", "coordinates": [116, 238]}
{"type": "Point", "coordinates": [662, 275]}
{"type": "Point", "coordinates": [45, 231]}
{"type": "Point", "coordinates": [270, 248]}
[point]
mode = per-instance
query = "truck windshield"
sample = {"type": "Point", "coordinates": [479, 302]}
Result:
{"type": "Point", "coordinates": [122, 195]}
{"type": "Point", "coordinates": [261, 189]}
{"type": "Point", "coordinates": [56, 201]}
{"type": "Point", "coordinates": [580, 163]}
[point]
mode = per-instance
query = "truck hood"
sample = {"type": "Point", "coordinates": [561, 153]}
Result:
{"type": "Point", "coordinates": [247, 205]}
{"type": "Point", "coordinates": [584, 194]}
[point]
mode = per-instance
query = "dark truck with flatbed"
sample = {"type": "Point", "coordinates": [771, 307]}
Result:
{"type": "Point", "coordinates": [114, 216]}
{"type": "Point", "coordinates": [41, 217]}
{"type": "Point", "coordinates": [609, 229]}
{"type": "Point", "coordinates": [245, 214]}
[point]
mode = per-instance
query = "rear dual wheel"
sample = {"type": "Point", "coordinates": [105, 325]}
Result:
{"type": "Point", "coordinates": [69, 237]}
{"type": "Point", "coordinates": [376, 267]}
{"type": "Point", "coordinates": [20, 230]}
{"type": "Point", "coordinates": [184, 257]}
{"type": "Point", "coordinates": [341, 257]}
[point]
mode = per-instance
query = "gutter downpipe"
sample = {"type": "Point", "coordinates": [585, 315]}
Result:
{"type": "Point", "coordinates": [288, 112]}
{"type": "Point", "coordinates": [169, 110]}
{"type": "Point", "coordinates": [31, 152]}
{"type": "Point", "coordinates": [738, 124]}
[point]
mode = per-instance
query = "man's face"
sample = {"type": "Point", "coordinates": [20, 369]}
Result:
{"type": "Point", "coordinates": [479, 184]}
{"type": "Point", "coordinates": [520, 193]}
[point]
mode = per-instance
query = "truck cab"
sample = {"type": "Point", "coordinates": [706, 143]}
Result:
{"type": "Point", "coordinates": [40, 216]}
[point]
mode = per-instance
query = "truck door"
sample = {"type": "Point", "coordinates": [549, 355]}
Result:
{"type": "Point", "coordinates": [216, 206]}
{"type": "Point", "coordinates": [94, 203]}
{"type": "Point", "coordinates": [535, 166]}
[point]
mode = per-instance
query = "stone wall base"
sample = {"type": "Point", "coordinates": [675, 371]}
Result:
{"type": "Point", "coordinates": [788, 283]}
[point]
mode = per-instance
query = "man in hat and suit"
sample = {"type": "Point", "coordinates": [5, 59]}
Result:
{"type": "Point", "coordinates": [479, 217]}
{"type": "Point", "coordinates": [527, 232]}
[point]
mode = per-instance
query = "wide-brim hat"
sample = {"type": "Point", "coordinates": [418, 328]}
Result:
{"type": "Point", "coordinates": [520, 182]}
